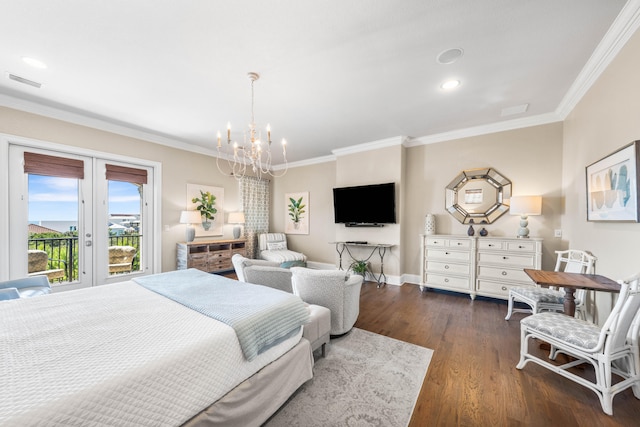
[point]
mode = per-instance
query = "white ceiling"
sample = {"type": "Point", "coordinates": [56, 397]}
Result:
{"type": "Point", "coordinates": [334, 73]}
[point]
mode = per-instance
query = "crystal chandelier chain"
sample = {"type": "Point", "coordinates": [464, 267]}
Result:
{"type": "Point", "coordinates": [249, 154]}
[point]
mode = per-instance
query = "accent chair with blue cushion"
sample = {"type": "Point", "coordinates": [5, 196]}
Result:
{"type": "Point", "coordinates": [273, 247]}
{"type": "Point", "coordinates": [25, 288]}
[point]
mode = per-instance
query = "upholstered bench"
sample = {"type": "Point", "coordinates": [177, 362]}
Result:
{"type": "Point", "coordinates": [319, 327]}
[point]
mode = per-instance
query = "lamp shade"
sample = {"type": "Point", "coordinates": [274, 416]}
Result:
{"type": "Point", "coordinates": [525, 205]}
{"type": "Point", "coordinates": [236, 218]}
{"type": "Point", "coordinates": [190, 217]}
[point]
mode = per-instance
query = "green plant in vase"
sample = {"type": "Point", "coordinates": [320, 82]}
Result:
{"type": "Point", "coordinates": [296, 209]}
{"type": "Point", "coordinates": [205, 204]}
{"type": "Point", "coordinates": [359, 267]}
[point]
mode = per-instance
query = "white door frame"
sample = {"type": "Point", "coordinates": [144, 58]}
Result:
{"type": "Point", "coordinates": [153, 261]}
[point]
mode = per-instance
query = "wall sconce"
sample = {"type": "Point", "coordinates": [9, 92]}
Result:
{"type": "Point", "coordinates": [190, 217]}
{"type": "Point", "coordinates": [236, 218]}
{"type": "Point", "coordinates": [525, 206]}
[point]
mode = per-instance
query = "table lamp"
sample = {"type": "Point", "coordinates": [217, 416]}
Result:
{"type": "Point", "coordinates": [236, 218]}
{"type": "Point", "coordinates": [190, 217]}
{"type": "Point", "coordinates": [525, 206]}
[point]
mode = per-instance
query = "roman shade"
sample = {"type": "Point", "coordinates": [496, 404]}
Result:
{"type": "Point", "coordinates": [42, 164]}
{"type": "Point", "coordinates": [123, 173]}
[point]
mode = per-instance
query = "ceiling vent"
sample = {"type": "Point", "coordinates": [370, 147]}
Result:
{"type": "Point", "coordinates": [518, 109]}
{"type": "Point", "coordinates": [449, 56]}
{"type": "Point", "coordinates": [25, 81]}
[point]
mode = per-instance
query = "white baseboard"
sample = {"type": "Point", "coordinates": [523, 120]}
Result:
{"type": "Point", "coordinates": [321, 265]}
{"type": "Point", "coordinates": [391, 279]}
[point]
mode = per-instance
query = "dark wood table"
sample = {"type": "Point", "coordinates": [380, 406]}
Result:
{"type": "Point", "coordinates": [570, 282]}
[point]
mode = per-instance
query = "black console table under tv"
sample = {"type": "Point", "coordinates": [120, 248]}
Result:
{"type": "Point", "coordinates": [381, 248]}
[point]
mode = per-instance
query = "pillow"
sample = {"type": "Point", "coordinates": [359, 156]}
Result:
{"type": "Point", "coordinates": [296, 263]}
{"type": "Point", "coordinates": [276, 246]}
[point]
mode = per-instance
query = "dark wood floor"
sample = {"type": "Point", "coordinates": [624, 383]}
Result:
{"type": "Point", "coordinates": [472, 379]}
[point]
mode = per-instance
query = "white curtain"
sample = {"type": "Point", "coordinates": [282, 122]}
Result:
{"type": "Point", "coordinates": [255, 197]}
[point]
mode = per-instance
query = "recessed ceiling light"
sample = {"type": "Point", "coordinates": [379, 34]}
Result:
{"type": "Point", "coordinates": [450, 84]}
{"type": "Point", "coordinates": [36, 63]}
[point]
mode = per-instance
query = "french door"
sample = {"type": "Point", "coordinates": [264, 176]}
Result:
{"type": "Point", "coordinates": [78, 219]}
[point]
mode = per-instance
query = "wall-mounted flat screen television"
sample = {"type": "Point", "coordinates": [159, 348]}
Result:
{"type": "Point", "coordinates": [365, 205]}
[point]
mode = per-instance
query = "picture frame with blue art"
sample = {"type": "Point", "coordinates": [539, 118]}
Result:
{"type": "Point", "coordinates": [612, 186]}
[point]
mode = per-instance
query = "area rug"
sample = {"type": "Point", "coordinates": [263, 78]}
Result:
{"type": "Point", "coordinates": [365, 379]}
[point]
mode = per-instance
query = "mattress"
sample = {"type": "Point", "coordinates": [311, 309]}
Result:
{"type": "Point", "coordinates": [115, 355]}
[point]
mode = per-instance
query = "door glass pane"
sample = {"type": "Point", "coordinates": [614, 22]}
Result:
{"type": "Point", "coordinates": [124, 227]}
{"type": "Point", "coordinates": [53, 227]}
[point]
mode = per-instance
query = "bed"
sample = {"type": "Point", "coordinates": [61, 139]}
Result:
{"type": "Point", "coordinates": [125, 354]}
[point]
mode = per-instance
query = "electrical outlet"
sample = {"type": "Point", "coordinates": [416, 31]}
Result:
{"type": "Point", "coordinates": [557, 233]}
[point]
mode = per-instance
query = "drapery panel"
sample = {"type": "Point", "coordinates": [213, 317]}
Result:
{"type": "Point", "coordinates": [255, 197]}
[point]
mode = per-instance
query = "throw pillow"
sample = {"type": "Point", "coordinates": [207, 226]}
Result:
{"type": "Point", "coordinates": [297, 263]}
{"type": "Point", "coordinates": [276, 246]}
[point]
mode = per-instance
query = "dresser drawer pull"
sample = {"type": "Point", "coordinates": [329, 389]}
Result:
{"type": "Point", "coordinates": [504, 273]}
{"type": "Point", "coordinates": [447, 253]}
{"type": "Point", "coordinates": [446, 267]}
{"type": "Point", "coordinates": [521, 247]}
{"type": "Point", "coordinates": [490, 245]}
{"type": "Point", "coordinates": [446, 280]}
{"type": "Point", "coordinates": [505, 257]}
{"type": "Point", "coordinates": [459, 244]}
{"type": "Point", "coordinates": [504, 288]}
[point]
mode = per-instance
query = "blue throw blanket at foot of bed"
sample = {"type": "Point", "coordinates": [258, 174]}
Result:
{"type": "Point", "coordinates": [260, 316]}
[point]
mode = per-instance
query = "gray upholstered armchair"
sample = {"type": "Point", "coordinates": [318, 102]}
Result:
{"type": "Point", "coordinates": [24, 288]}
{"type": "Point", "coordinates": [261, 272]}
{"type": "Point", "coordinates": [334, 289]}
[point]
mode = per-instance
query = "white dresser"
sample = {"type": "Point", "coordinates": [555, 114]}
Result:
{"type": "Point", "coordinates": [500, 262]}
{"type": "Point", "coordinates": [448, 262]}
{"type": "Point", "coordinates": [486, 266]}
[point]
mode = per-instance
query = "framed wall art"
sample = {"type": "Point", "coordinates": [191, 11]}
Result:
{"type": "Point", "coordinates": [612, 186]}
{"type": "Point", "coordinates": [211, 202]}
{"type": "Point", "coordinates": [296, 213]}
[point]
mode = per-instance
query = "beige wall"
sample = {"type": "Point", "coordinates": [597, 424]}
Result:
{"type": "Point", "coordinates": [531, 158]}
{"type": "Point", "coordinates": [318, 180]}
{"type": "Point", "coordinates": [179, 167]}
{"type": "Point", "coordinates": [375, 167]}
{"type": "Point", "coordinates": [606, 119]}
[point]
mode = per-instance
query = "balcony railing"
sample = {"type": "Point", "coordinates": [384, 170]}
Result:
{"type": "Point", "coordinates": [63, 252]}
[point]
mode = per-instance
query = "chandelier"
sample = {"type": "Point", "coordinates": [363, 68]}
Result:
{"type": "Point", "coordinates": [252, 153]}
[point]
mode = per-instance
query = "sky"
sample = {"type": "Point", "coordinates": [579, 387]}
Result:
{"type": "Point", "coordinates": [56, 199]}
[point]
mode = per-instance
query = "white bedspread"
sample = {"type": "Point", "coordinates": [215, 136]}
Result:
{"type": "Point", "coordinates": [115, 355]}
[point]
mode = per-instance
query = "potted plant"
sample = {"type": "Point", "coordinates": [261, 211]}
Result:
{"type": "Point", "coordinates": [205, 205]}
{"type": "Point", "coordinates": [359, 267]}
{"type": "Point", "coordinates": [296, 209]}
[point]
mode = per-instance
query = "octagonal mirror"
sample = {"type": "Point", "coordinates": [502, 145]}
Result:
{"type": "Point", "coordinates": [478, 196]}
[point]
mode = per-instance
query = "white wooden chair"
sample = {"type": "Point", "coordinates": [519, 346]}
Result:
{"type": "Point", "coordinates": [547, 299]}
{"type": "Point", "coordinates": [588, 343]}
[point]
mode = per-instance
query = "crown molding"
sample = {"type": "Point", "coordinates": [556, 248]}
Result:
{"type": "Point", "coordinates": [524, 122]}
{"type": "Point", "coordinates": [98, 123]}
{"type": "Point", "coordinates": [307, 162]}
{"type": "Point", "coordinates": [368, 146]}
{"type": "Point", "coordinates": [625, 25]}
